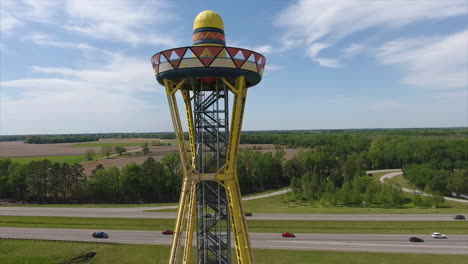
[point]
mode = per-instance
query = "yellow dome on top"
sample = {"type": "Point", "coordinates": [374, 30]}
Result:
{"type": "Point", "coordinates": [208, 18]}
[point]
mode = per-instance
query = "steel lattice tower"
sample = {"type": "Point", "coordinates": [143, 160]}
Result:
{"type": "Point", "coordinates": [206, 74]}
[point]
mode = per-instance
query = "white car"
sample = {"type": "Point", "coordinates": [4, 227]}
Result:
{"type": "Point", "coordinates": [438, 235]}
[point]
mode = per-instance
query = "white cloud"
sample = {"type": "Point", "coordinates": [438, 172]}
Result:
{"type": "Point", "coordinates": [435, 62]}
{"type": "Point", "coordinates": [120, 20]}
{"type": "Point", "coordinates": [272, 67]}
{"type": "Point", "coordinates": [41, 11]}
{"type": "Point", "coordinates": [352, 50]}
{"type": "Point", "coordinates": [16, 13]}
{"type": "Point", "coordinates": [8, 23]}
{"type": "Point", "coordinates": [103, 99]}
{"type": "Point", "coordinates": [330, 63]}
{"type": "Point", "coordinates": [49, 41]}
{"type": "Point", "coordinates": [265, 49]}
{"type": "Point", "coordinates": [314, 49]}
{"type": "Point", "coordinates": [308, 23]}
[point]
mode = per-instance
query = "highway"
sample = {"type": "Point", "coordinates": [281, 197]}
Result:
{"type": "Point", "coordinates": [138, 212]}
{"type": "Point", "coordinates": [455, 244]}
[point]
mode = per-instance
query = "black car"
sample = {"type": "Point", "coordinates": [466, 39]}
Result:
{"type": "Point", "coordinates": [459, 217]}
{"type": "Point", "coordinates": [100, 235]}
{"type": "Point", "coordinates": [248, 214]}
{"type": "Point", "coordinates": [415, 239]}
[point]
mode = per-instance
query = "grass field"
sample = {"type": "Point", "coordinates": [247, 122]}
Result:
{"type": "Point", "coordinates": [62, 159]}
{"type": "Point", "coordinates": [260, 226]}
{"type": "Point", "coordinates": [399, 180]}
{"type": "Point", "coordinates": [102, 144]}
{"type": "Point", "coordinates": [46, 252]}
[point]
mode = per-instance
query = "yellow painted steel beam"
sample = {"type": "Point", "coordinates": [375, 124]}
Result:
{"type": "Point", "coordinates": [231, 183]}
{"type": "Point", "coordinates": [191, 124]}
{"type": "Point", "coordinates": [191, 224]}
{"type": "Point", "coordinates": [171, 89]}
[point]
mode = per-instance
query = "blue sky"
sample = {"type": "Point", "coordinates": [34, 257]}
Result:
{"type": "Point", "coordinates": [79, 66]}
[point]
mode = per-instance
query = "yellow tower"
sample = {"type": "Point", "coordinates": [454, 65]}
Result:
{"type": "Point", "coordinates": [206, 74]}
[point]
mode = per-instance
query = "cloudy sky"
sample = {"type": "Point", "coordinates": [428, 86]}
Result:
{"type": "Point", "coordinates": [79, 66]}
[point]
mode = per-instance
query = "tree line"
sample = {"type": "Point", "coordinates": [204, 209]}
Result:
{"type": "Point", "coordinates": [58, 139]}
{"type": "Point", "coordinates": [330, 168]}
{"type": "Point", "coordinates": [151, 182]}
{"type": "Point", "coordinates": [71, 138]}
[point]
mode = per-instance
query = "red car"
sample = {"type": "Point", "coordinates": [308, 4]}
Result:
{"type": "Point", "coordinates": [167, 232]}
{"type": "Point", "coordinates": [287, 234]}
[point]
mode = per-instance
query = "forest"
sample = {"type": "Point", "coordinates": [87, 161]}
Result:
{"type": "Point", "coordinates": [329, 168]}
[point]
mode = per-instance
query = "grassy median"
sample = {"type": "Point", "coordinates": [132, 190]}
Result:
{"type": "Point", "coordinates": [260, 226]}
{"type": "Point", "coordinates": [46, 252]}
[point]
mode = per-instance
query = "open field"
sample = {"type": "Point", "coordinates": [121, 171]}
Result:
{"type": "Point", "coordinates": [100, 145]}
{"type": "Point", "coordinates": [61, 159]}
{"type": "Point", "coordinates": [46, 252]}
{"type": "Point", "coordinates": [21, 149]}
{"type": "Point", "coordinates": [259, 226]}
{"type": "Point", "coordinates": [156, 152]}
{"type": "Point", "coordinates": [74, 152]}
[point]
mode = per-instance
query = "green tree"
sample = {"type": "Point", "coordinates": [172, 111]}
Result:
{"type": "Point", "coordinates": [4, 166]}
{"type": "Point", "coordinates": [152, 175]}
{"type": "Point", "coordinates": [17, 181]}
{"type": "Point", "coordinates": [458, 182]}
{"type": "Point", "coordinates": [89, 154]}
{"type": "Point", "coordinates": [106, 150]}
{"type": "Point", "coordinates": [120, 149]}
{"type": "Point", "coordinates": [145, 148]}
{"type": "Point", "coordinates": [131, 182]}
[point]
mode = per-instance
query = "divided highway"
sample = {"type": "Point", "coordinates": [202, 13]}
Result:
{"type": "Point", "coordinates": [455, 244]}
{"type": "Point", "coordinates": [138, 212]}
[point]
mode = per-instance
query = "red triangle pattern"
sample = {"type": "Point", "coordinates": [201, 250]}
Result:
{"type": "Point", "coordinates": [238, 62]}
{"type": "Point", "coordinates": [232, 52]}
{"type": "Point", "coordinates": [167, 54]}
{"type": "Point", "coordinates": [175, 63]}
{"type": "Point", "coordinates": [180, 52]}
{"type": "Point", "coordinates": [257, 57]}
{"type": "Point", "coordinates": [207, 60]}
{"type": "Point", "coordinates": [215, 50]}
{"type": "Point", "coordinates": [157, 58]}
{"type": "Point", "coordinates": [198, 50]}
{"type": "Point", "coordinates": [246, 54]}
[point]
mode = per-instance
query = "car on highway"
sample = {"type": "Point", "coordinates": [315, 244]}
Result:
{"type": "Point", "coordinates": [438, 235]}
{"type": "Point", "coordinates": [287, 234]}
{"type": "Point", "coordinates": [100, 235]}
{"type": "Point", "coordinates": [415, 239]}
{"type": "Point", "coordinates": [168, 232]}
{"type": "Point", "coordinates": [459, 217]}
{"type": "Point", "coordinates": [418, 191]}
{"type": "Point", "coordinates": [248, 214]}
